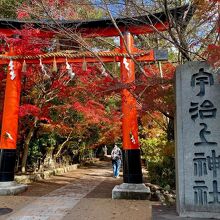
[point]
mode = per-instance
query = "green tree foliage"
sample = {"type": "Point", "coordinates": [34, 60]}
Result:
{"type": "Point", "coordinates": [8, 8]}
{"type": "Point", "coordinates": [158, 153]}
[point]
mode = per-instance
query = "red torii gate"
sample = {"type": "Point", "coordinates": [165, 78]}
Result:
{"type": "Point", "coordinates": [105, 28]}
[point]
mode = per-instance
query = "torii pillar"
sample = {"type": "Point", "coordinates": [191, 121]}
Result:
{"type": "Point", "coordinates": [9, 130]}
{"type": "Point", "coordinates": [133, 187]}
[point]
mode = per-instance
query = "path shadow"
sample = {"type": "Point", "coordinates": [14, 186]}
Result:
{"type": "Point", "coordinates": [5, 211]}
{"type": "Point", "coordinates": [104, 189]}
{"type": "Point", "coordinates": [164, 212]}
{"type": "Point", "coordinates": [99, 175]}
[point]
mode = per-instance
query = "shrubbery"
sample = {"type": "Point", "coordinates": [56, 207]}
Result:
{"type": "Point", "coordinates": [163, 172]}
{"type": "Point", "coordinates": [159, 156]}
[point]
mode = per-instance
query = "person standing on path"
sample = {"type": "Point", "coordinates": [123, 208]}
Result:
{"type": "Point", "coordinates": [116, 156]}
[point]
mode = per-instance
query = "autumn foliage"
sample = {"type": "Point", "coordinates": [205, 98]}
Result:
{"type": "Point", "coordinates": [65, 114]}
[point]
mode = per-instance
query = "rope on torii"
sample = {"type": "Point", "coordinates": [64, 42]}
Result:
{"type": "Point", "coordinates": [71, 55]}
{"type": "Point", "coordinates": [74, 55]}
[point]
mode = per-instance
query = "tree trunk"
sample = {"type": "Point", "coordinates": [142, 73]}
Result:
{"type": "Point", "coordinates": [26, 147]}
{"type": "Point", "coordinates": [170, 130]}
{"type": "Point", "coordinates": [62, 145]}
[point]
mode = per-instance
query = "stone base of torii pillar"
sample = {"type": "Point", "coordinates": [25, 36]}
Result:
{"type": "Point", "coordinates": [131, 191]}
{"type": "Point", "coordinates": [11, 188]}
{"type": "Point", "coordinates": [133, 186]}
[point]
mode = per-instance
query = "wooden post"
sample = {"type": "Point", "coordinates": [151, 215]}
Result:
{"type": "Point", "coordinates": [10, 121]}
{"type": "Point", "coordinates": [131, 152]}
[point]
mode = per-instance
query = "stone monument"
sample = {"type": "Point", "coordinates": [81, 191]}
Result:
{"type": "Point", "coordinates": [197, 141]}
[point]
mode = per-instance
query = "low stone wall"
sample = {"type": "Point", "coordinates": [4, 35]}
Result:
{"type": "Point", "coordinates": [28, 178]}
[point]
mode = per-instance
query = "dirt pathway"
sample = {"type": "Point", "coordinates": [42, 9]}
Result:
{"type": "Point", "coordinates": [82, 194]}
{"type": "Point", "coordinates": [44, 190]}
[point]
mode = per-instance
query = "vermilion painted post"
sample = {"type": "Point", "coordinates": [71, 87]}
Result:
{"type": "Point", "coordinates": [10, 122]}
{"type": "Point", "coordinates": [132, 172]}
